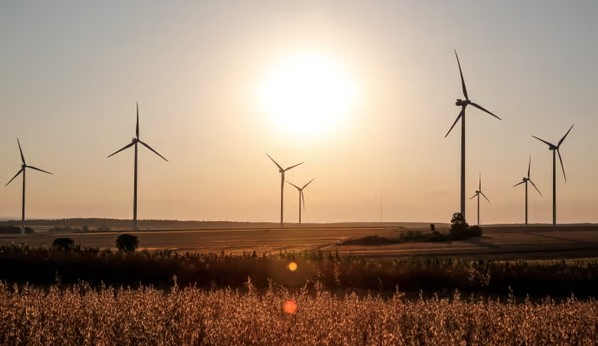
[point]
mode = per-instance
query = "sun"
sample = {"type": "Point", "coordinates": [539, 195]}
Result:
{"type": "Point", "coordinates": [308, 95]}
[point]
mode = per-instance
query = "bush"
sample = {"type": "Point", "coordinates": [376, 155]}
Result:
{"type": "Point", "coordinates": [14, 230]}
{"type": "Point", "coordinates": [412, 236]}
{"type": "Point", "coordinates": [63, 244]}
{"type": "Point", "coordinates": [475, 231]}
{"type": "Point", "coordinates": [127, 242]}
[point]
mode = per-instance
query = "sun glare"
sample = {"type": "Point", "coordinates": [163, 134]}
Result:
{"type": "Point", "coordinates": [308, 95]}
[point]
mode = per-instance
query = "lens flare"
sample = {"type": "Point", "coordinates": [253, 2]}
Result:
{"type": "Point", "coordinates": [290, 307]}
{"type": "Point", "coordinates": [292, 266]}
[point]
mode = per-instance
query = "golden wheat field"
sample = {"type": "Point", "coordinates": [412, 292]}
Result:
{"type": "Point", "coordinates": [80, 315]}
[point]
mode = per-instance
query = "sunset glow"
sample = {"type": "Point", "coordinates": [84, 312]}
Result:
{"type": "Point", "coordinates": [308, 95]}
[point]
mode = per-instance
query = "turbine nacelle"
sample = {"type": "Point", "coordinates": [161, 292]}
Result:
{"type": "Point", "coordinates": [460, 102]}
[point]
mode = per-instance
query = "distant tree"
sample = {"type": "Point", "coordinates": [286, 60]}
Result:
{"type": "Point", "coordinates": [127, 242]}
{"type": "Point", "coordinates": [63, 244]}
{"type": "Point", "coordinates": [433, 228]}
{"type": "Point", "coordinates": [459, 227]}
{"type": "Point", "coordinates": [9, 229]}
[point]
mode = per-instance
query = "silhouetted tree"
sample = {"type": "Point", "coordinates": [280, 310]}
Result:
{"type": "Point", "coordinates": [63, 244]}
{"type": "Point", "coordinates": [127, 242]}
{"type": "Point", "coordinates": [459, 226]}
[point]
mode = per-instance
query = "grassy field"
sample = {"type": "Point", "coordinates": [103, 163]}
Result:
{"type": "Point", "coordinates": [80, 315]}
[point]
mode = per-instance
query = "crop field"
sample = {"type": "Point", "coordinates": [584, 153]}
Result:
{"type": "Point", "coordinates": [233, 286]}
{"type": "Point", "coordinates": [497, 242]}
{"type": "Point", "coordinates": [80, 315]}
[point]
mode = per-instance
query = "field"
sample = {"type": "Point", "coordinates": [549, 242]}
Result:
{"type": "Point", "coordinates": [233, 285]}
{"type": "Point", "coordinates": [79, 315]}
{"type": "Point", "coordinates": [498, 241]}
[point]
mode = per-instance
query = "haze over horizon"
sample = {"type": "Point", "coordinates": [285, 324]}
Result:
{"type": "Point", "coordinates": [210, 80]}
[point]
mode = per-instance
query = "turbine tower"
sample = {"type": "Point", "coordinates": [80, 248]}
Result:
{"type": "Point", "coordinates": [525, 180]}
{"type": "Point", "coordinates": [23, 170]}
{"type": "Point", "coordinates": [282, 171]}
{"type": "Point", "coordinates": [301, 196]}
{"type": "Point", "coordinates": [134, 142]}
{"type": "Point", "coordinates": [463, 104]}
{"type": "Point", "coordinates": [555, 150]}
{"type": "Point", "coordinates": [477, 194]}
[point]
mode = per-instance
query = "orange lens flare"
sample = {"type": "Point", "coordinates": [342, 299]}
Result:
{"type": "Point", "coordinates": [292, 266]}
{"type": "Point", "coordinates": [290, 307]}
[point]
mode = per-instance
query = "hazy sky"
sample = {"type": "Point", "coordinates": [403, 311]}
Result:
{"type": "Point", "coordinates": [71, 72]}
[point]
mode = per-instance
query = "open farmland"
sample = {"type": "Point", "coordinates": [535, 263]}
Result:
{"type": "Point", "coordinates": [497, 242]}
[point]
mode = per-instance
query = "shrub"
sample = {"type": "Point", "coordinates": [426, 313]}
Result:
{"type": "Point", "coordinates": [412, 236]}
{"type": "Point", "coordinates": [63, 244]}
{"type": "Point", "coordinates": [127, 242]}
{"type": "Point", "coordinates": [14, 230]}
{"type": "Point", "coordinates": [475, 231]}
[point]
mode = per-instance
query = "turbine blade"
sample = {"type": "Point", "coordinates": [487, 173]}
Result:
{"type": "Point", "coordinates": [123, 148]}
{"type": "Point", "coordinates": [297, 187]}
{"type": "Point", "coordinates": [485, 110]}
{"type": "Point", "coordinates": [562, 167]}
{"type": "Point", "coordinates": [480, 182]}
{"type": "Point", "coordinates": [152, 149]}
{"type": "Point", "coordinates": [456, 120]}
{"type": "Point", "coordinates": [293, 166]}
{"type": "Point", "coordinates": [534, 185]}
{"type": "Point", "coordinates": [13, 178]}
{"type": "Point", "coordinates": [276, 163]}
{"type": "Point", "coordinates": [562, 139]}
{"type": "Point", "coordinates": [137, 126]}
{"type": "Point", "coordinates": [304, 186]}
{"type": "Point", "coordinates": [529, 166]}
{"type": "Point", "coordinates": [462, 80]}
{"type": "Point", "coordinates": [485, 196]}
{"type": "Point", "coordinates": [472, 197]}
{"type": "Point", "coordinates": [39, 169]}
{"type": "Point", "coordinates": [21, 151]}
{"type": "Point", "coordinates": [545, 142]}
{"type": "Point", "coordinates": [521, 182]}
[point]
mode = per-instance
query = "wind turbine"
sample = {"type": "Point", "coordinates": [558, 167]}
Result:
{"type": "Point", "coordinates": [301, 196]}
{"type": "Point", "coordinates": [134, 142]}
{"type": "Point", "coordinates": [463, 104]}
{"type": "Point", "coordinates": [282, 172]}
{"type": "Point", "coordinates": [555, 150]}
{"type": "Point", "coordinates": [23, 170]}
{"type": "Point", "coordinates": [477, 194]}
{"type": "Point", "coordinates": [525, 180]}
